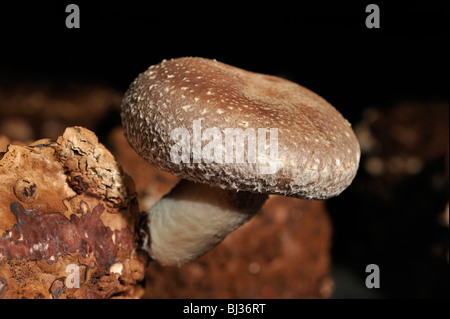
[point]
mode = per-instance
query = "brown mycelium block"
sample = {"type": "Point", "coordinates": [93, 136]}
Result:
{"type": "Point", "coordinates": [67, 203]}
{"type": "Point", "coordinates": [283, 252]}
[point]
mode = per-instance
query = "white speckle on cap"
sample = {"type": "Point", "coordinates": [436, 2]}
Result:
{"type": "Point", "coordinates": [312, 141]}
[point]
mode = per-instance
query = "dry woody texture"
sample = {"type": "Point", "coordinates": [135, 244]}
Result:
{"type": "Point", "coordinates": [67, 203]}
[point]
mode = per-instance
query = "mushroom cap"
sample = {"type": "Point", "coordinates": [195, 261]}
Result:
{"type": "Point", "coordinates": [315, 154]}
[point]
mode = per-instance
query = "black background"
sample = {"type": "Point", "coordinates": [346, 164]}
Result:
{"type": "Point", "coordinates": [324, 46]}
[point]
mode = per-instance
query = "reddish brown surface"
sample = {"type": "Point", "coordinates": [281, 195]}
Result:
{"type": "Point", "coordinates": [283, 252]}
{"type": "Point", "coordinates": [51, 235]}
{"type": "Point", "coordinates": [67, 203]}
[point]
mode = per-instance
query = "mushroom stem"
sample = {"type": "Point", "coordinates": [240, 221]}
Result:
{"type": "Point", "coordinates": [193, 218]}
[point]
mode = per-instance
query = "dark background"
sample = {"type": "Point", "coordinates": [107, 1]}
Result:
{"type": "Point", "coordinates": [324, 46]}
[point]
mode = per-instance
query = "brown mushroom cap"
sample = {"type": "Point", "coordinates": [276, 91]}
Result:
{"type": "Point", "coordinates": [318, 153]}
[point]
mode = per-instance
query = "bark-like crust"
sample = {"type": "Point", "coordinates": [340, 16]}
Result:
{"type": "Point", "coordinates": [67, 203]}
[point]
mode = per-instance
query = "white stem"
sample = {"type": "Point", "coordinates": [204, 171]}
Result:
{"type": "Point", "coordinates": [194, 218]}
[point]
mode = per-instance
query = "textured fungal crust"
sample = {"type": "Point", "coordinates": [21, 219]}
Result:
{"type": "Point", "coordinates": [318, 153]}
{"type": "Point", "coordinates": [67, 205]}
